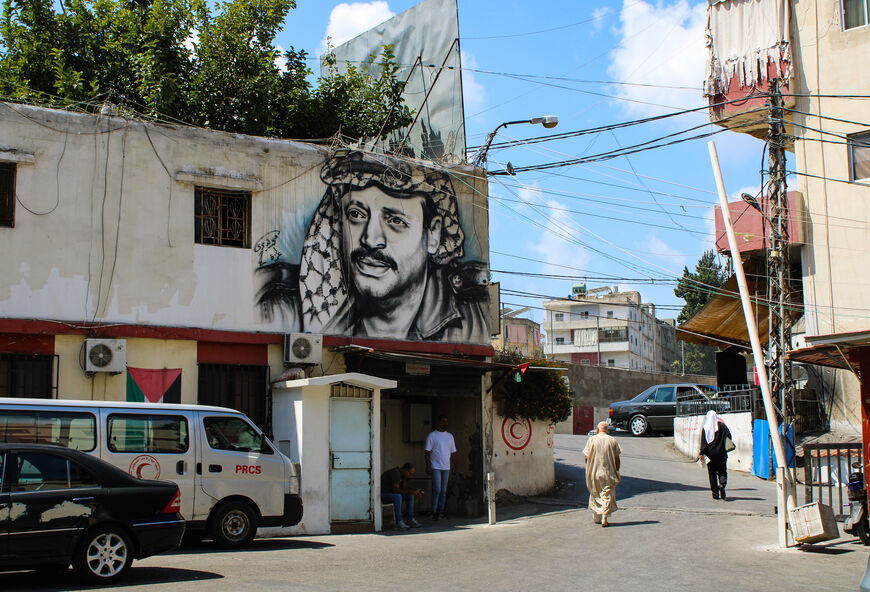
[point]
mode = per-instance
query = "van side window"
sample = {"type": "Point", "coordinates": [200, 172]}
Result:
{"type": "Point", "coordinates": [68, 429]}
{"type": "Point", "coordinates": [232, 433]}
{"type": "Point", "coordinates": [134, 432]}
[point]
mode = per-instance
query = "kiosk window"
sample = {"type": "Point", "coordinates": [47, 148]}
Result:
{"type": "Point", "coordinates": [133, 432]}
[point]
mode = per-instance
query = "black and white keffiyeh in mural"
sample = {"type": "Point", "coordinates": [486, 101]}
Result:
{"type": "Point", "coordinates": [382, 257]}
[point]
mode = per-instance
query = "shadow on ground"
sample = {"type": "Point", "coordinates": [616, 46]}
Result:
{"type": "Point", "coordinates": [58, 580]}
{"type": "Point", "coordinates": [628, 487]}
{"type": "Point", "coordinates": [257, 545]}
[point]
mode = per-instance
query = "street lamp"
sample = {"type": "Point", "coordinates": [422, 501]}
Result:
{"type": "Point", "coordinates": [548, 121]}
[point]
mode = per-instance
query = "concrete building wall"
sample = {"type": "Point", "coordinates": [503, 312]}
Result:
{"type": "Point", "coordinates": [836, 258]}
{"type": "Point", "coordinates": [74, 383]}
{"type": "Point", "coordinates": [523, 460]}
{"type": "Point", "coordinates": [687, 438]}
{"type": "Point", "coordinates": [599, 386]}
{"type": "Point", "coordinates": [117, 240]}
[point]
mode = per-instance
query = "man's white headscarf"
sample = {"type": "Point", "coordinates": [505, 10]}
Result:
{"type": "Point", "coordinates": [323, 285]}
{"type": "Point", "coordinates": [711, 424]}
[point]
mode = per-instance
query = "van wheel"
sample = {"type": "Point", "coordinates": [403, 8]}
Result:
{"type": "Point", "coordinates": [233, 525]}
{"type": "Point", "coordinates": [104, 555]}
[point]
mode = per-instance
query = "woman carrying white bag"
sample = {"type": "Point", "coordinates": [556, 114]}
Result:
{"type": "Point", "coordinates": [715, 445]}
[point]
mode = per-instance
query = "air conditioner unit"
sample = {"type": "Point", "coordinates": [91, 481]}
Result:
{"type": "Point", "coordinates": [303, 348]}
{"type": "Point", "coordinates": [105, 355]}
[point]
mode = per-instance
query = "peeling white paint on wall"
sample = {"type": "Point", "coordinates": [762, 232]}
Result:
{"type": "Point", "coordinates": [523, 460]}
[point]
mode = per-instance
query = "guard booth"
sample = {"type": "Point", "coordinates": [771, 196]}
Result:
{"type": "Point", "coordinates": [328, 426]}
{"type": "Point", "coordinates": [426, 387]}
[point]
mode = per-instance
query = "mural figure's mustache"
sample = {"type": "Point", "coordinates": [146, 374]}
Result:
{"type": "Point", "coordinates": [376, 254]}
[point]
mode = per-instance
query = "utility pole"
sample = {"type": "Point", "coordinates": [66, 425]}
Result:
{"type": "Point", "coordinates": [779, 299]}
{"type": "Point", "coordinates": [778, 263]}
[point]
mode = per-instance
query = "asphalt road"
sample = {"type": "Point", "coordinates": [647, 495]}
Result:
{"type": "Point", "coordinates": [669, 535]}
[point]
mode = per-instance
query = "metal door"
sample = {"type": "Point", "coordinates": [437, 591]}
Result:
{"type": "Point", "coordinates": [350, 454]}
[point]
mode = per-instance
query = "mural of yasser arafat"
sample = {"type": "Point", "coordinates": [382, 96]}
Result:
{"type": "Point", "coordinates": [382, 257]}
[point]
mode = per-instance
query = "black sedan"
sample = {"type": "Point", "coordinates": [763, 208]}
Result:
{"type": "Point", "coordinates": [60, 506]}
{"type": "Point", "coordinates": [656, 407]}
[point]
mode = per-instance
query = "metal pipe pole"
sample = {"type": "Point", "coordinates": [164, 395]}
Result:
{"type": "Point", "coordinates": [752, 330]}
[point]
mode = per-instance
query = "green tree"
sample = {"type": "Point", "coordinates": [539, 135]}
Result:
{"type": "Point", "coordinates": [696, 288]}
{"type": "Point", "coordinates": [210, 65]}
{"type": "Point", "coordinates": [540, 395]}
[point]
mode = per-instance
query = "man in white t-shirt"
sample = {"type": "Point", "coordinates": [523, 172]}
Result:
{"type": "Point", "coordinates": [440, 453]}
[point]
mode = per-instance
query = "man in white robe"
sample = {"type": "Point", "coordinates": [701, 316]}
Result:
{"type": "Point", "coordinates": [602, 473]}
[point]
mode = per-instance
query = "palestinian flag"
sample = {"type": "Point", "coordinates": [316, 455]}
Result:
{"type": "Point", "coordinates": [156, 386]}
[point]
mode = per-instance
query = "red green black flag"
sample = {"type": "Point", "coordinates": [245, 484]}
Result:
{"type": "Point", "coordinates": [156, 386]}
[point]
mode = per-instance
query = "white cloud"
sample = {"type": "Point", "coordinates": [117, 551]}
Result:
{"type": "Point", "coordinates": [473, 92]}
{"type": "Point", "coordinates": [598, 14]}
{"type": "Point", "coordinates": [553, 245]}
{"type": "Point", "coordinates": [660, 44]}
{"type": "Point", "coordinates": [347, 20]}
{"type": "Point", "coordinates": [659, 249]}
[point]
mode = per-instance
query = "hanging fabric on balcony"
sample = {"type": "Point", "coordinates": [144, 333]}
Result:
{"type": "Point", "coordinates": [747, 39]}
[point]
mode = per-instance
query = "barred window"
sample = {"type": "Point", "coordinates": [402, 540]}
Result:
{"type": "Point", "coordinates": [7, 194]}
{"type": "Point", "coordinates": [223, 218]}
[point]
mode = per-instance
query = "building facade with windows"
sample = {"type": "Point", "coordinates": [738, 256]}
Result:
{"type": "Point", "coordinates": [518, 334]}
{"type": "Point", "coordinates": [811, 51]}
{"type": "Point", "coordinates": [174, 264]}
{"type": "Point", "coordinates": [608, 328]}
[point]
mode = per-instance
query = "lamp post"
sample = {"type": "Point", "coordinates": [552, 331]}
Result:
{"type": "Point", "coordinates": [548, 121]}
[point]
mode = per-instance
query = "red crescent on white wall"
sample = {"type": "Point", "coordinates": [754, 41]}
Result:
{"type": "Point", "coordinates": [516, 433]}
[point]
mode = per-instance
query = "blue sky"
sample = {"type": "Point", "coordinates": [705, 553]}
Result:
{"type": "Point", "coordinates": [597, 63]}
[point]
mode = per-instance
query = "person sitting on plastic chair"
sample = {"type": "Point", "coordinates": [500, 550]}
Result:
{"type": "Point", "coordinates": [395, 490]}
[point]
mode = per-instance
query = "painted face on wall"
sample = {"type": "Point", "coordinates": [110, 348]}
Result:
{"type": "Point", "coordinates": [386, 243]}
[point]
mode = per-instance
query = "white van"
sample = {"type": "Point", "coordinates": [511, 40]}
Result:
{"type": "Point", "coordinates": [231, 478]}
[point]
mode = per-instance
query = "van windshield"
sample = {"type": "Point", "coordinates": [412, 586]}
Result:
{"type": "Point", "coordinates": [232, 433]}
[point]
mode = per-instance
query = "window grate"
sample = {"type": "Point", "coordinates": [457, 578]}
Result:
{"type": "Point", "coordinates": [25, 375]}
{"type": "Point", "coordinates": [7, 194]}
{"type": "Point", "coordinates": [244, 388]}
{"type": "Point", "coordinates": [223, 217]}
{"type": "Point", "coordinates": [349, 391]}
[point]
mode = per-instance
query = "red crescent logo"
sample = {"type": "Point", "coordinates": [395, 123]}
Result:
{"type": "Point", "coordinates": [516, 433]}
{"type": "Point", "coordinates": [145, 466]}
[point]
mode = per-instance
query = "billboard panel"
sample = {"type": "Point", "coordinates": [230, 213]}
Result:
{"type": "Point", "coordinates": [425, 39]}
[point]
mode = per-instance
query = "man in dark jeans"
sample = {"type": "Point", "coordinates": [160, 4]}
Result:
{"type": "Point", "coordinates": [395, 490]}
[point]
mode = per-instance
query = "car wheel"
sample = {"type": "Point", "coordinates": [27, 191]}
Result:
{"type": "Point", "coordinates": [104, 554]}
{"type": "Point", "coordinates": [233, 525]}
{"type": "Point", "coordinates": [638, 425]}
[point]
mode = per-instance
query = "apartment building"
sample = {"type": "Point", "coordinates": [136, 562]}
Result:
{"type": "Point", "coordinates": [812, 52]}
{"type": "Point", "coordinates": [518, 334]}
{"type": "Point", "coordinates": [606, 327]}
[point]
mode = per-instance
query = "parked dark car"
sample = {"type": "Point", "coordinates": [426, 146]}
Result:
{"type": "Point", "coordinates": [60, 506]}
{"type": "Point", "coordinates": [654, 409]}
